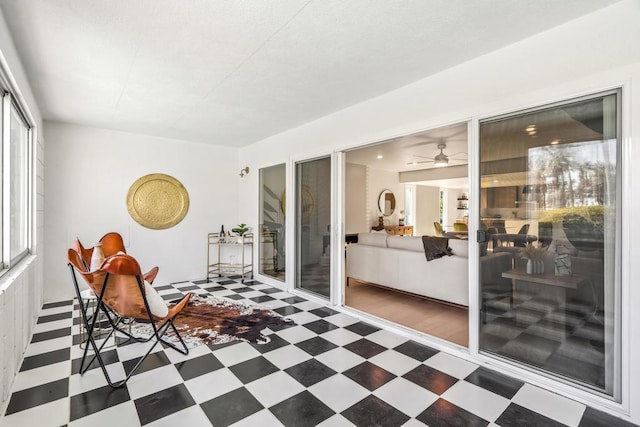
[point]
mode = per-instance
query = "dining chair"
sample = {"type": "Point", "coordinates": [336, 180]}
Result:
{"type": "Point", "coordinates": [439, 229]}
{"type": "Point", "coordinates": [460, 226]}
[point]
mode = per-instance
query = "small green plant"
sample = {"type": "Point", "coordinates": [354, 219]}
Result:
{"type": "Point", "coordinates": [240, 229]}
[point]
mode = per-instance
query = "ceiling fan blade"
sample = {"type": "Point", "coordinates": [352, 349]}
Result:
{"type": "Point", "coordinates": [456, 154]}
{"type": "Point", "coordinates": [423, 157]}
{"type": "Point", "coordinates": [420, 162]}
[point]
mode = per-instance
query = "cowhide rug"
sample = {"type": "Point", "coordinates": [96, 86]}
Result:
{"type": "Point", "coordinates": [213, 320]}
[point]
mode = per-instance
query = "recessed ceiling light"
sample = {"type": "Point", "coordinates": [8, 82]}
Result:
{"type": "Point", "coordinates": [531, 129]}
{"type": "Point", "coordinates": [379, 156]}
{"type": "Point", "coordinates": [555, 142]}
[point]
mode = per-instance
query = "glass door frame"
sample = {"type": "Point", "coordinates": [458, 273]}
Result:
{"type": "Point", "coordinates": [472, 353]}
{"type": "Point", "coordinates": [334, 230]}
{"type": "Point", "coordinates": [340, 262]}
{"type": "Point", "coordinates": [621, 285]}
{"type": "Point", "coordinates": [271, 280]}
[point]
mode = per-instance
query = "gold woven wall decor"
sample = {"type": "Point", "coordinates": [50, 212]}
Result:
{"type": "Point", "coordinates": [307, 209]}
{"type": "Point", "coordinates": [157, 201]}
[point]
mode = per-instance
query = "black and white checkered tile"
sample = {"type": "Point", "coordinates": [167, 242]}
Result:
{"type": "Point", "coordinates": [568, 339]}
{"type": "Point", "coordinates": [330, 369]}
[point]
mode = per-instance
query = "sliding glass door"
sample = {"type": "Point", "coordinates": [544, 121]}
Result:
{"type": "Point", "coordinates": [272, 222]}
{"type": "Point", "coordinates": [313, 222]}
{"type": "Point", "coordinates": [549, 204]}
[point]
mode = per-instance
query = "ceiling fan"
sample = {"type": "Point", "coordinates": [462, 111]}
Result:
{"type": "Point", "coordinates": [440, 160]}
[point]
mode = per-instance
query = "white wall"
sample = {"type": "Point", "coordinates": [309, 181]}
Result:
{"type": "Point", "coordinates": [90, 171]}
{"type": "Point", "coordinates": [592, 53]}
{"type": "Point", "coordinates": [21, 288]}
{"type": "Point", "coordinates": [427, 210]}
{"type": "Point", "coordinates": [356, 199]}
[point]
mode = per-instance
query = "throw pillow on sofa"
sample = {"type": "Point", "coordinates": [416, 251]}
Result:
{"type": "Point", "coordinates": [436, 247]}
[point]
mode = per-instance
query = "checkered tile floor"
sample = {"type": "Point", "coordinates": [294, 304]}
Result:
{"type": "Point", "coordinates": [330, 369]}
{"type": "Point", "coordinates": [566, 339]}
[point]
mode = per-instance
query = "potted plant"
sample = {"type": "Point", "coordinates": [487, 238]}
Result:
{"type": "Point", "coordinates": [240, 229]}
{"type": "Point", "coordinates": [535, 258]}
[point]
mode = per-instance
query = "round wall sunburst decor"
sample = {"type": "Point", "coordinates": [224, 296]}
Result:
{"type": "Point", "coordinates": [157, 201]}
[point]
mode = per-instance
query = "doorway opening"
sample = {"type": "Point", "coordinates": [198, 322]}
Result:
{"type": "Point", "coordinates": [396, 192]}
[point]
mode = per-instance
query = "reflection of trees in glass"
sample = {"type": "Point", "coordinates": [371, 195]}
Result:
{"type": "Point", "coordinates": [572, 174]}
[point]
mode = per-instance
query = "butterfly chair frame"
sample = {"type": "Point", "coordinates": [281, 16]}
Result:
{"type": "Point", "coordinates": [119, 302]}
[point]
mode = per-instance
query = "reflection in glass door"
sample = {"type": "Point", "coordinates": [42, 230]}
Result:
{"type": "Point", "coordinates": [313, 222]}
{"type": "Point", "coordinates": [272, 222]}
{"type": "Point", "coordinates": [549, 201]}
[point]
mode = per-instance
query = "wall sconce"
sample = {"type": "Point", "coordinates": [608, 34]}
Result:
{"type": "Point", "coordinates": [244, 171]}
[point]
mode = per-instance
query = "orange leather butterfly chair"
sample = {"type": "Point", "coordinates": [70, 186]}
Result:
{"type": "Point", "coordinates": [120, 289]}
{"type": "Point", "coordinates": [112, 243]}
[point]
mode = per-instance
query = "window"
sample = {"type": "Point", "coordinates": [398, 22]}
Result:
{"type": "Point", "coordinates": [16, 188]}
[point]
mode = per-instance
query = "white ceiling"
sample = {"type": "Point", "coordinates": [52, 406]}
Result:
{"type": "Point", "coordinates": [413, 152]}
{"type": "Point", "coordinates": [235, 72]}
{"type": "Point", "coordinates": [402, 154]}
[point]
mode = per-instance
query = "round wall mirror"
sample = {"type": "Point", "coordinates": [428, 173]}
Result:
{"type": "Point", "coordinates": [386, 202]}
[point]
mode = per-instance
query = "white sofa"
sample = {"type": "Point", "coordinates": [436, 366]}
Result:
{"type": "Point", "coordinates": [399, 262]}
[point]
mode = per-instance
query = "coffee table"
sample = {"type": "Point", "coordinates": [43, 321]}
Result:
{"type": "Point", "coordinates": [553, 287]}
{"type": "Point", "coordinates": [550, 279]}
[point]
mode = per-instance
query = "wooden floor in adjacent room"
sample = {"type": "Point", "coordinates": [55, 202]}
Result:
{"type": "Point", "coordinates": [444, 321]}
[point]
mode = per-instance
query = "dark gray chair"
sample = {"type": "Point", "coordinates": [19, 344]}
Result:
{"type": "Point", "coordinates": [521, 242]}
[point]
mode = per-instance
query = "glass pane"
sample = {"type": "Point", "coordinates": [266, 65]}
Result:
{"type": "Point", "coordinates": [272, 222]}
{"type": "Point", "coordinates": [549, 198]}
{"type": "Point", "coordinates": [408, 204]}
{"type": "Point", "coordinates": [18, 195]}
{"type": "Point", "coordinates": [313, 222]}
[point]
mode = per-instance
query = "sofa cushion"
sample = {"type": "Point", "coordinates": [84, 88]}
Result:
{"type": "Point", "coordinates": [459, 247]}
{"type": "Point", "coordinates": [408, 243]}
{"type": "Point", "coordinates": [373, 239]}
